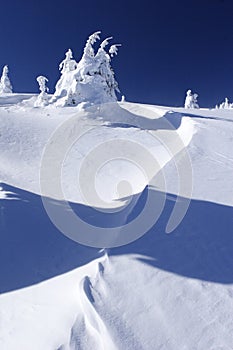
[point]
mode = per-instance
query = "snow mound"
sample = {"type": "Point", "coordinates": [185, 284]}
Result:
{"type": "Point", "coordinates": [57, 294]}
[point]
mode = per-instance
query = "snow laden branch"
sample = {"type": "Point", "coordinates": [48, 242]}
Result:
{"type": "Point", "coordinates": [88, 49]}
{"type": "Point", "coordinates": [105, 42]}
{"type": "Point", "coordinates": [114, 49]}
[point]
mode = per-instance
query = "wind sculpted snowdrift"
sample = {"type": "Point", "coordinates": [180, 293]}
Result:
{"type": "Point", "coordinates": [148, 294]}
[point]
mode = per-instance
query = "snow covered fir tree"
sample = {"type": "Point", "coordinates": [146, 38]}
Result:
{"type": "Point", "coordinates": [91, 79]}
{"type": "Point", "coordinates": [191, 100]}
{"type": "Point", "coordinates": [5, 84]}
{"type": "Point", "coordinates": [43, 98]}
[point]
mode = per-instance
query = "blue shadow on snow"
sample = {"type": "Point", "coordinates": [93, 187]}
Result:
{"type": "Point", "coordinates": [32, 250]}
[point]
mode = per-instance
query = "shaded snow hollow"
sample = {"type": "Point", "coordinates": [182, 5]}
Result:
{"type": "Point", "coordinates": [161, 291]}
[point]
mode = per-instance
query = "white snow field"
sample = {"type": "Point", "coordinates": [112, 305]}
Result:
{"type": "Point", "coordinates": [163, 291]}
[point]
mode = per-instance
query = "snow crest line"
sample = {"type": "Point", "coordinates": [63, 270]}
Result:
{"type": "Point", "coordinates": [89, 321]}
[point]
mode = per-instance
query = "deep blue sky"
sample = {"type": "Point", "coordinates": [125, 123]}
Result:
{"type": "Point", "coordinates": [167, 46]}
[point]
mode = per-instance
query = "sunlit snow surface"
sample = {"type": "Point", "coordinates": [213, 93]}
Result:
{"type": "Point", "coordinates": [163, 291]}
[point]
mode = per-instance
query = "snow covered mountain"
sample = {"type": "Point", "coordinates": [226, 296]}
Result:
{"type": "Point", "coordinates": [153, 186]}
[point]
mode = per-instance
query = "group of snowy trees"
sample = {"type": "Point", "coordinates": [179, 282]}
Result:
{"type": "Point", "coordinates": [225, 105]}
{"type": "Point", "coordinates": [191, 102]}
{"type": "Point", "coordinates": [91, 80]}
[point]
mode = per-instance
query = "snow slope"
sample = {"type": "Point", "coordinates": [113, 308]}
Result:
{"type": "Point", "coordinates": [163, 291]}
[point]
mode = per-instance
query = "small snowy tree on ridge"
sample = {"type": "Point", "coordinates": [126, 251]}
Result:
{"type": "Point", "coordinates": [42, 84]}
{"type": "Point", "coordinates": [5, 84]}
{"type": "Point", "coordinates": [42, 99]}
{"type": "Point", "coordinates": [195, 103]}
{"type": "Point", "coordinates": [67, 68]}
{"type": "Point", "coordinates": [191, 100]}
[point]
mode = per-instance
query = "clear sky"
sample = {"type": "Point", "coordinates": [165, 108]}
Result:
{"type": "Point", "coordinates": [167, 46]}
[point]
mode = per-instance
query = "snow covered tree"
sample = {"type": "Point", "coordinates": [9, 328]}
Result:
{"type": "Point", "coordinates": [43, 98]}
{"type": "Point", "coordinates": [104, 69]}
{"type": "Point", "coordinates": [88, 49]}
{"type": "Point", "coordinates": [188, 100]}
{"type": "Point", "coordinates": [42, 83]}
{"type": "Point", "coordinates": [68, 64]}
{"type": "Point", "coordinates": [92, 81]}
{"type": "Point", "coordinates": [87, 65]}
{"type": "Point", "coordinates": [67, 68]}
{"type": "Point", "coordinates": [195, 103]}
{"type": "Point", "coordinates": [5, 84]}
{"type": "Point", "coordinates": [191, 100]}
